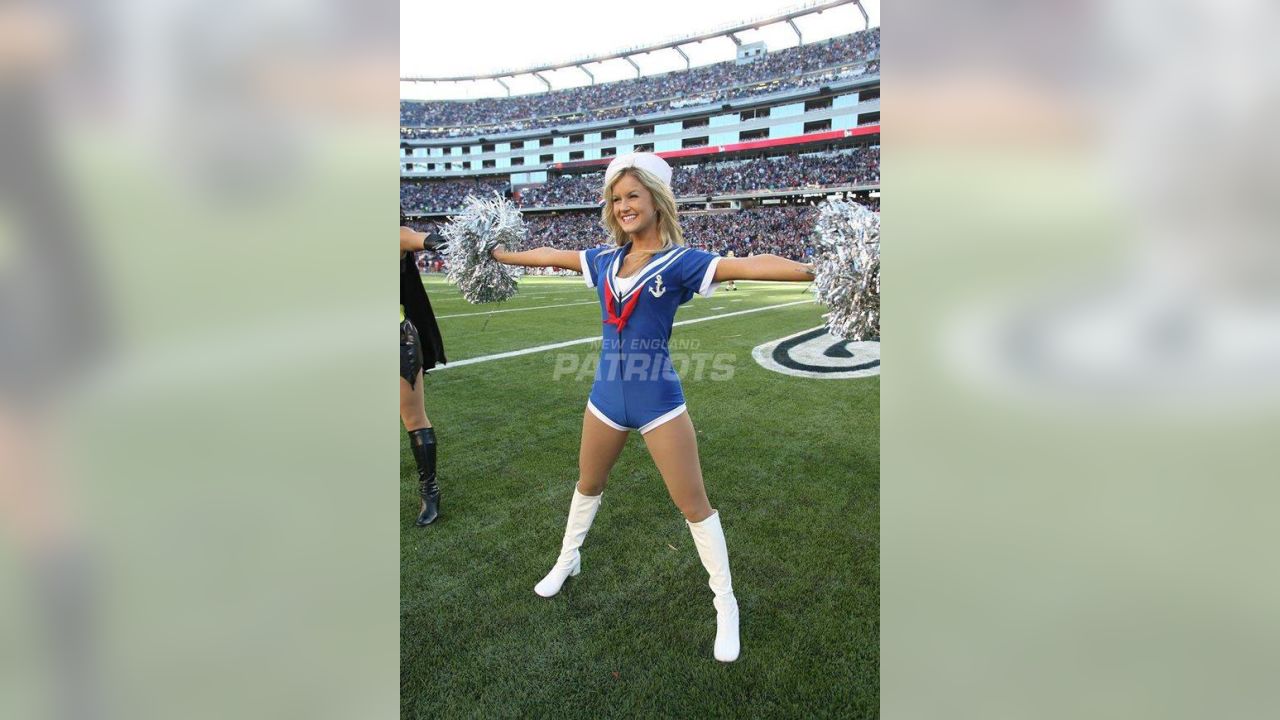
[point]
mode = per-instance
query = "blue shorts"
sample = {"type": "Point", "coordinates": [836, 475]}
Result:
{"type": "Point", "coordinates": [636, 392]}
{"type": "Point", "coordinates": [642, 421]}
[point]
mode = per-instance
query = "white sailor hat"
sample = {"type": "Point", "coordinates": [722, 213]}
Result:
{"type": "Point", "coordinates": [645, 161]}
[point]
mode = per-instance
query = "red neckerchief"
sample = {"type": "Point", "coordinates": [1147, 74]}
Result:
{"type": "Point", "coordinates": [616, 319]}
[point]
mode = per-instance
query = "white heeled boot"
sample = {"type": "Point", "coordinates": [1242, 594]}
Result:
{"type": "Point", "coordinates": [581, 512]}
{"type": "Point", "coordinates": [709, 539]}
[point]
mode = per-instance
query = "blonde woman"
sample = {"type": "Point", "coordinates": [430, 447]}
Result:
{"type": "Point", "coordinates": [641, 281]}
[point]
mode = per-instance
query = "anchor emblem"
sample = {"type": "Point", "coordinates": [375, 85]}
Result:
{"type": "Point", "coordinates": [657, 290]}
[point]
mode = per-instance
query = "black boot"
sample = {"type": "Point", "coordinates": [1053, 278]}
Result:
{"type": "Point", "coordinates": [424, 451]}
{"type": "Point", "coordinates": [65, 579]}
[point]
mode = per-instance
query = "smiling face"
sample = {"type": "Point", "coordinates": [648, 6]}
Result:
{"type": "Point", "coordinates": [632, 205]}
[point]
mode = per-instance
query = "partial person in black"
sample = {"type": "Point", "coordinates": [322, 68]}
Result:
{"type": "Point", "coordinates": [53, 332]}
{"type": "Point", "coordinates": [420, 350]}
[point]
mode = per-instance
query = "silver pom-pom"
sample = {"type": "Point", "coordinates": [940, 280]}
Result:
{"type": "Point", "coordinates": [847, 269]}
{"type": "Point", "coordinates": [483, 224]}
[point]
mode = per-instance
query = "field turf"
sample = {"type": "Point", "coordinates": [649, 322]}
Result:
{"type": "Point", "coordinates": [792, 464]}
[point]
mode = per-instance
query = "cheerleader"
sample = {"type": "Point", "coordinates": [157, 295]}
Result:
{"type": "Point", "coordinates": [641, 280]}
{"type": "Point", "coordinates": [420, 349]}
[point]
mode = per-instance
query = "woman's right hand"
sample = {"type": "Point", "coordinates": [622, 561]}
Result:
{"type": "Point", "coordinates": [499, 252]}
{"type": "Point", "coordinates": [410, 239]}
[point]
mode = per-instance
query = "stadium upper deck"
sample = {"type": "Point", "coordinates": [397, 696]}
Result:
{"type": "Point", "coordinates": [843, 57]}
{"type": "Point", "coordinates": [754, 141]}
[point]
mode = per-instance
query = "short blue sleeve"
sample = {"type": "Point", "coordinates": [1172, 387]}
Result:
{"type": "Point", "coordinates": [588, 259]}
{"type": "Point", "coordinates": [697, 268]}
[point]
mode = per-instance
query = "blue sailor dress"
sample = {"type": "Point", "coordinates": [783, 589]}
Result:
{"type": "Point", "coordinates": [636, 387]}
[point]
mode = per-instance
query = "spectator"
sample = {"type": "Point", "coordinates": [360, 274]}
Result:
{"type": "Point", "coordinates": [820, 62]}
{"type": "Point", "coordinates": [781, 230]}
{"type": "Point", "coordinates": [859, 166]}
{"type": "Point", "coordinates": [442, 195]}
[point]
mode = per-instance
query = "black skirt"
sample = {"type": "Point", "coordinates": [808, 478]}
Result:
{"type": "Point", "coordinates": [417, 310]}
{"type": "Point", "coordinates": [52, 321]}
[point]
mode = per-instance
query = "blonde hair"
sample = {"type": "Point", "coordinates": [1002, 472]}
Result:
{"type": "Point", "coordinates": [664, 203]}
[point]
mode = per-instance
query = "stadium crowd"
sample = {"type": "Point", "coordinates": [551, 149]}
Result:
{"type": "Point", "coordinates": [848, 167]}
{"type": "Point", "coordinates": [859, 166]}
{"type": "Point", "coordinates": [781, 230]}
{"type": "Point", "coordinates": [442, 195]}
{"type": "Point", "coordinates": [844, 56]}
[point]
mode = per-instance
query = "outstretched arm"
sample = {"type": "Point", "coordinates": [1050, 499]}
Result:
{"type": "Point", "coordinates": [411, 240]}
{"type": "Point", "coordinates": [762, 267]}
{"type": "Point", "coordinates": [414, 241]}
{"type": "Point", "coordinates": [540, 257]}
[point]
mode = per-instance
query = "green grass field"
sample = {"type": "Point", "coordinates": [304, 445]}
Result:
{"type": "Point", "coordinates": [792, 465]}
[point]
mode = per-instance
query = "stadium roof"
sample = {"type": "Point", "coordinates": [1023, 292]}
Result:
{"type": "Point", "coordinates": [729, 31]}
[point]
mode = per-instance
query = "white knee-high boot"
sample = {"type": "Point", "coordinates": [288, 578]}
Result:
{"type": "Point", "coordinates": [709, 539]}
{"type": "Point", "coordinates": [581, 512]}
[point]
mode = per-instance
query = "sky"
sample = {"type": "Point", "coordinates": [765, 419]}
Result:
{"type": "Point", "coordinates": [441, 39]}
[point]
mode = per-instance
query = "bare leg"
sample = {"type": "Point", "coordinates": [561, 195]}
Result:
{"type": "Point", "coordinates": [412, 412]}
{"type": "Point", "coordinates": [35, 506]}
{"type": "Point", "coordinates": [601, 446]}
{"type": "Point", "coordinates": [674, 449]}
{"type": "Point", "coordinates": [36, 511]}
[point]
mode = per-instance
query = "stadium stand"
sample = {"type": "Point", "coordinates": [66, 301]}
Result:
{"type": "Point", "coordinates": [782, 230]}
{"type": "Point", "coordinates": [860, 166]}
{"type": "Point", "coordinates": [747, 176]}
{"type": "Point", "coordinates": [445, 195]}
{"type": "Point", "coordinates": [845, 56]}
{"type": "Point", "coordinates": [854, 167]}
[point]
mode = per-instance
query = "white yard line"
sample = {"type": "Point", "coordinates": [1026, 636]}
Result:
{"type": "Point", "coordinates": [595, 338]}
{"type": "Point", "coordinates": [450, 293]}
{"type": "Point", "coordinates": [495, 312]}
{"type": "Point", "coordinates": [576, 292]}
